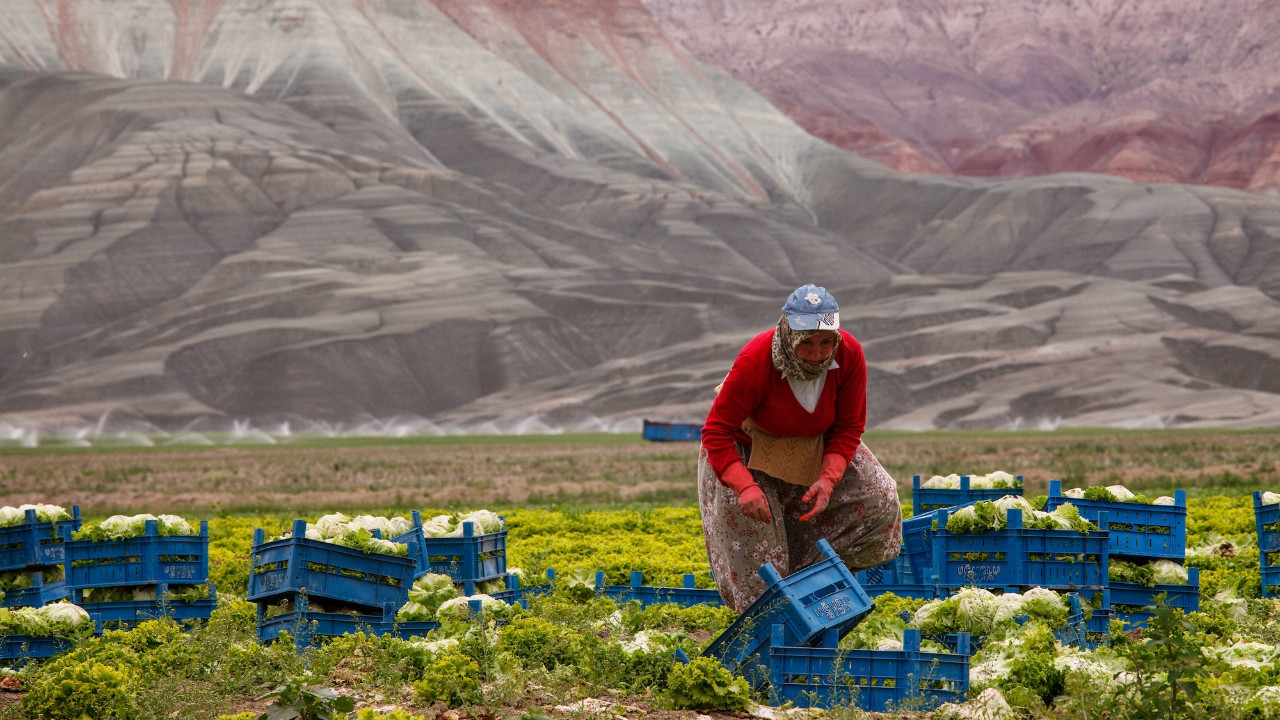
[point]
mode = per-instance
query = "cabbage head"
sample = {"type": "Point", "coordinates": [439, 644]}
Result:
{"type": "Point", "coordinates": [1168, 572]}
{"type": "Point", "coordinates": [431, 590]}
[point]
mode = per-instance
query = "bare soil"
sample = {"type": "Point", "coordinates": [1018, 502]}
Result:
{"type": "Point", "coordinates": [567, 471]}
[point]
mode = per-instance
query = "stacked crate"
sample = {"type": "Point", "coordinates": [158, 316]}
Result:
{"type": "Point", "coordinates": [468, 560]}
{"type": "Point", "coordinates": [1267, 522]}
{"type": "Point", "coordinates": [1139, 533]}
{"type": "Point", "coordinates": [824, 596]}
{"type": "Point", "coordinates": [150, 562]}
{"type": "Point", "coordinates": [324, 589]}
{"type": "Point", "coordinates": [911, 574]}
{"type": "Point", "coordinates": [789, 639]}
{"type": "Point", "coordinates": [874, 680]}
{"type": "Point", "coordinates": [1017, 557]}
{"type": "Point", "coordinates": [35, 550]}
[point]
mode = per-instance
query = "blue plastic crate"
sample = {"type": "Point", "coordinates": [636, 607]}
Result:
{"type": "Point", "coordinates": [282, 568]}
{"type": "Point", "coordinates": [1098, 628]}
{"type": "Point", "coordinates": [1071, 633]}
{"type": "Point", "coordinates": [1270, 579]}
{"type": "Point", "coordinates": [876, 680]}
{"type": "Point", "coordinates": [40, 593]}
{"type": "Point", "coordinates": [16, 650]}
{"type": "Point", "coordinates": [34, 543]}
{"type": "Point", "coordinates": [146, 560]}
{"type": "Point", "coordinates": [125, 614]}
{"type": "Point", "coordinates": [1267, 520]}
{"type": "Point", "coordinates": [917, 538]}
{"type": "Point", "coordinates": [927, 499]}
{"type": "Point", "coordinates": [895, 572]}
{"type": "Point", "coordinates": [308, 629]}
{"type": "Point", "coordinates": [1020, 557]}
{"type": "Point", "coordinates": [895, 577]}
{"type": "Point", "coordinates": [824, 596]}
{"type": "Point", "coordinates": [517, 594]}
{"type": "Point", "coordinates": [468, 560]}
{"type": "Point", "coordinates": [1184, 597]}
{"type": "Point", "coordinates": [647, 595]}
{"type": "Point", "coordinates": [1137, 530]}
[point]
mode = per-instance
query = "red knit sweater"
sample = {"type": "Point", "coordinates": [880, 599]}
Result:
{"type": "Point", "coordinates": [755, 388]}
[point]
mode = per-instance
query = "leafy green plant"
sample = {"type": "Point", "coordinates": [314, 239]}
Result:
{"type": "Point", "coordinates": [705, 684]}
{"type": "Point", "coordinates": [299, 699]}
{"type": "Point", "coordinates": [1168, 667]}
{"type": "Point", "coordinates": [452, 678]}
{"type": "Point", "coordinates": [83, 689]}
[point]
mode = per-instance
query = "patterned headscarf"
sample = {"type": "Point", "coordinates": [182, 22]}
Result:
{"type": "Point", "coordinates": [785, 359]}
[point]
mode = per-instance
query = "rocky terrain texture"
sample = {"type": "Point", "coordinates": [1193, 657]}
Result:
{"type": "Point", "coordinates": [1171, 91]}
{"type": "Point", "coordinates": [528, 215]}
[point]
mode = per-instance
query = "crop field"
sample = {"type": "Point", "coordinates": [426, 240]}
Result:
{"type": "Point", "coordinates": [581, 504]}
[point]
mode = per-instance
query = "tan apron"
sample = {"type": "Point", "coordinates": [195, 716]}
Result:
{"type": "Point", "coordinates": [796, 460]}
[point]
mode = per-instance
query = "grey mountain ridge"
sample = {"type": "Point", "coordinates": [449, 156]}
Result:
{"type": "Point", "coordinates": [340, 215]}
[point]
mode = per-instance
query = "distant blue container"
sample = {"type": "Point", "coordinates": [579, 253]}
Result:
{"type": "Point", "coordinates": [1137, 530]}
{"type": "Point", "coordinates": [672, 432]}
{"type": "Point", "coordinates": [926, 499]}
{"type": "Point", "coordinates": [824, 596]}
{"type": "Point", "coordinates": [875, 680]}
{"type": "Point", "coordinates": [33, 543]}
{"type": "Point", "coordinates": [146, 560]}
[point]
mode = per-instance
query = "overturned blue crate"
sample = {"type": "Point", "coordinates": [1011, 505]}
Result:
{"type": "Point", "coordinates": [126, 614]}
{"type": "Point", "coordinates": [468, 560]}
{"type": "Point", "coordinates": [917, 539]}
{"type": "Point", "coordinates": [146, 560]}
{"type": "Point", "coordinates": [1021, 557]}
{"type": "Point", "coordinates": [288, 566]}
{"type": "Point", "coordinates": [895, 577]}
{"type": "Point", "coordinates": [686, 595]}
{"type": "Point", "coordinates": [36, 543]}
{"type": "Point", "coordinates": [927, 499]}
{"type": "Point", "coordinates": [40, 593]}
{"type": "Point", "coordinates": [874, 680]}
{"type": "Point", "coordinates": [824, 596]}
{"type": "Point", "coordinates": [1134, 603]}
{"type": "Point", "coordinates": [16, 650]}
{"type": "Point", "coordinates": [1137, 530]}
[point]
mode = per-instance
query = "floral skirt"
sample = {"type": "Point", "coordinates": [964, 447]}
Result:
{"type": "Point", "coordinates": [862, 522]}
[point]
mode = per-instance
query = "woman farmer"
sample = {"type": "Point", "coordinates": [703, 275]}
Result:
{"type": "Point", "coordinates": [782, 463]}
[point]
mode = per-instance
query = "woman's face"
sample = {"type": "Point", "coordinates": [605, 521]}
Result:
{"type": "Point", "coordinates": [816, 348]}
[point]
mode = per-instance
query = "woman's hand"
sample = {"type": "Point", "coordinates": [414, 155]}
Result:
{"type": "Point", "coordinates": [819, 493]}
{"type": "Point", "coordinates": [751, 499]}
